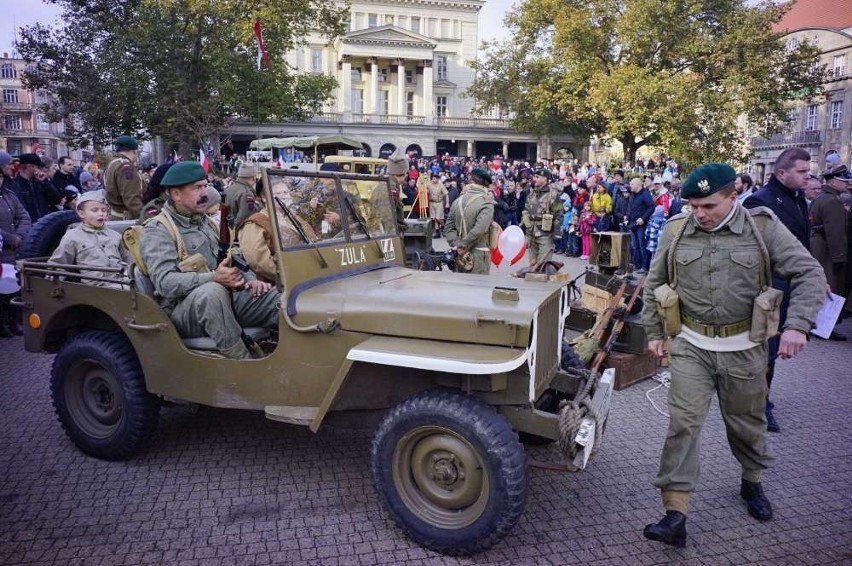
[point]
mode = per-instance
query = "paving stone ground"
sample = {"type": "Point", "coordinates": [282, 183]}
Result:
{"type": "Point", "coordinates": [223, 487]}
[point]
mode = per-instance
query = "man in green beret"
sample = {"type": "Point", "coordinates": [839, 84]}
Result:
{"type": "Point", "coordinates": [542, 216]}
{"type": "Point", "coordinates": [123, 182]}
{"type": "Point", "coordinates": [709, 291]}
{"type": "Point", "coordinates": [468, 224]}
{"type": "Point", "coordinates": [201, 296]}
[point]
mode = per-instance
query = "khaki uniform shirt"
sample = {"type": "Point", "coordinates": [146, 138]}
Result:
{"type": "Point", "coordinates": [473, 210]}
{"type": "Point", "coordinates": [83, 245]}
{"type": "Point", "coordinates": [256, 246]}
{"type": "Point", "coordinates": [242, 202]}
{"type": "Point", "coordinates": [718, 273]}
{"type": "Point", "coordinates": [541, 201]}
{"type": "Point", "coordinates": [437, 191]}
{"type": "Point", "coordinates": [124, 188]}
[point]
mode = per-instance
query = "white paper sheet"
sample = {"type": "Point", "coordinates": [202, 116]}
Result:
{"type": "Point", "coordinates": [828, 315]}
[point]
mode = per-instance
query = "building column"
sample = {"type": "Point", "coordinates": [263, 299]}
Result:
{"type": "Point", "coordinates": [400, 86]}
{"type": "Point", "coordinates": [428, 103]}
{"type": "Point", "coordinates": [345, 100]}
{"type": "Point", "coordinates": [471, 148]}
{"type": "Point", "coordinates": [505, 150]}
{"type": "Point", "coordinates": [374, 88]}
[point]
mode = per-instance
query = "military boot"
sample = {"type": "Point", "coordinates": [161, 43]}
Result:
{"type": "Point", "coordinates": [771, 423]}
{"type": "Point", "coordinates": [757, 503]}
{"type": "Point", "coordinates": [15, 324]}
{"type": "Point", "coordinates": [5, 331]}
{"type": "Point", "coordinates": [670, 530]}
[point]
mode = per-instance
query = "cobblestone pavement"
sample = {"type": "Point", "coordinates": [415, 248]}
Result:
{"type": "Point", "coordinates": [229, 487]}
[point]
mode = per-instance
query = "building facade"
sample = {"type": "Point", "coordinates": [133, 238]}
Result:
{"type": "Point", "coordinates": [401, 69]}
{"type": "Point", "coordinates": [819, 126]}
{"type": "Point", "coordinates": [23, 129]}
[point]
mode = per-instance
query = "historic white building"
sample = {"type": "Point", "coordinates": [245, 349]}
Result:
{"type": "Point", "coordinates": [402, 70]}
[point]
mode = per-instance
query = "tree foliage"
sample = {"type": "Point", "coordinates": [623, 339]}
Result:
{"type": "Point", "coordinates": [673, 74]}
{"type": "Point", "coordinates": [179, 69]}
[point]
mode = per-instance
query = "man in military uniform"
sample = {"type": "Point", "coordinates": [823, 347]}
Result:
{"type": "Point", "coordinates": [828, 228]}
{"type": "Point", "coordinates": [468, 224]}
{"type": "Point", "coordinates": [201, 297]}
{"type": "Point", "coordinates": [240, 196]}
{"type": "Point", "coordinates": [397, 170]}
{"type": "Point", "coordinates": [716, 265]}
{"type": "Point", "coordinates": [542, 216]}
{"type": "Point", "coordinates": [123, 182]}
{"type": "Point", "coordinates": [438, 201]}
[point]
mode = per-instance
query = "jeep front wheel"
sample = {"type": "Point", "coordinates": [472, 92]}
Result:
{"type": "Point", "coordinates": [450, 470]}
{"type": "Point", "coordinates": [99, 395]}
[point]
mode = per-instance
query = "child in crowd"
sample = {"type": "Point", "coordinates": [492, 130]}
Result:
{"type": "Point", "coordinates": [569, 230]}
{"type": "Point", "coordinates": [655, 228]}
{"type": "Point", "coordinates": [90, 243]}
{"type": "Point", "coordinates": [586, 224]}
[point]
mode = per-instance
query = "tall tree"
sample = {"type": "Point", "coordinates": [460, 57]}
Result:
{"type": "Point", "coordinates": [175, 68]}
{"type": "Point", "coordinates": [674, 74]}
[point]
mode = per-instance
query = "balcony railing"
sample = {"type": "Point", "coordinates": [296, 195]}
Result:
{"type": "Point", "coordinates": [808, 137]}
{"type": "Point", "coordinates": [17, 106]}
{"type": "Point", "coordinates": [402, 119]}
{"type": "Point", "coordinates": [474, 122]}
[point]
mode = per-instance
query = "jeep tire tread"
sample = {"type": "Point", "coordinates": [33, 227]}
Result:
{"type": "Point", "coordinates": [46, 233]}
{"type": "Point", "coordinates": [450, 471]}
{"type": "Point", "coordinates": [99, 395]}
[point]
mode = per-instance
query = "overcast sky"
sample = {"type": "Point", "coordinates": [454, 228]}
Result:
{"type": "Point", "coordinates": [17, 13]}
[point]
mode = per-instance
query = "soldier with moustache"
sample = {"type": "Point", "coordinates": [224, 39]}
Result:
{"type": "Point", "coordinates": [542, 216]}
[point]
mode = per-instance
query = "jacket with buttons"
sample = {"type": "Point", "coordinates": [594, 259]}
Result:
{"type": "Point", "coordinates": [101, 247]}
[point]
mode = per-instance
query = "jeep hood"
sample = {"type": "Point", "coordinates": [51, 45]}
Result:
{"type": "Point", "coordinates": [434, 305]}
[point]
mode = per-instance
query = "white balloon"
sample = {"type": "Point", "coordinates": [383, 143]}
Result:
{"type": "Point", "coordinates": [511, 243]}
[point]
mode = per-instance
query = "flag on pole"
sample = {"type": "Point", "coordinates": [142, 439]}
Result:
{"type": "Point", "coordinates": [280, 159]}
{"type": "Point", "coordinates": [202, 159]}
{"type": "Point", "coordinates": [261, 50]}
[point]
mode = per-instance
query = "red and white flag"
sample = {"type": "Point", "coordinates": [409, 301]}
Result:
{"type": "Point", "coordinates": [202, 158]}
{"type": "Point", "coordinates": [280, 161]}
{"type": "Point", "coordinates": [261, 50]}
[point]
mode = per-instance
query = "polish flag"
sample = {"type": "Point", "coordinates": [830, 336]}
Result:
{"type": "Point", "coordinates": [261, 50]}
{"type": "Point", "coordinates": [202, 158]}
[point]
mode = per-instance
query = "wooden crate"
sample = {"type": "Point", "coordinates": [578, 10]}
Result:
{"type": "Point", "coordinates": [631, 368]}
{"type": "Point", "coordinates": [595, 299]}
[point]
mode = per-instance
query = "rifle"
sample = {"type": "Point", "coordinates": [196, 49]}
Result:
{"type": "Point", "coordinates": [225, 240]}
{"type": "Point", "coordinates": [619, 315]}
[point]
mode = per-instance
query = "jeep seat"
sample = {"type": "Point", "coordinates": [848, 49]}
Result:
{"type": "Point", "coordinates": [146, 287]}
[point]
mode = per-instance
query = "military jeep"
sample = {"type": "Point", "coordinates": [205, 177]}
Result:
{"type": "Point", "coordinates": [462, 362]}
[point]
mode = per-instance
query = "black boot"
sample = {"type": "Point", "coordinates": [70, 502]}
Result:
{"type": "Point", "coordinates": [771, 423]}
{"type": "Point", "coordinates": [757, 503]}
{"type": "Point", "coordinates": [671, 530]}
{"type": "Point", "coordinates": [5, 331]}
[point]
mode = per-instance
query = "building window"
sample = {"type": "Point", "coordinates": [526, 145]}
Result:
{"type": "Point", "coordinates": [811, 117]}
{"type": "Point", "coordinates": [316, 61]}
{"type": "Point", "coordinates": [836, 114]}
{"type": "Point", "coordinates": [12, 122]}
{"type": "Point", "coordinates": [356, 73]}
{"type": "Point", "coordinates": [409, 77]}
{"type": "Point", "coordinates": [358, 101]}
{"type": "Point", "coordinates": [383, 75]}
{"type": "Point", "coordinates": [402, 21]}
{"type": "Point", "coordinates": [383, 102]}
{"type": "Point", "coordinates": [8, 71]}
{"type": "Point", "coordinates": [10, 96]}
{"type": "Point", "coordinates": [433, 27]}
{"type": "Point", "coordinates": [839, 66]}
{"type": "Point", "coordinates": [415, 24]}
{"type": "Point", "coordinates": [409, 104]}
{"type": "Point", "coordinates": [792, 117]}
{"type": "Point", "coordinates": [440, 106]}
{"type": "Point", "coordinates": [445, 28]}
{"type": "Point", "coordinates": [441, 67]}
{"type": "Point", "coordinates": [372, 20]}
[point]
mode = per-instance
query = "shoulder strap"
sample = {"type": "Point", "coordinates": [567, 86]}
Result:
{"type": "Point", "coordinates": [168, 223]}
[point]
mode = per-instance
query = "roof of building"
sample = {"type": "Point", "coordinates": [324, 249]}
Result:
{"type": "Point", "coordinates": [830, 14]}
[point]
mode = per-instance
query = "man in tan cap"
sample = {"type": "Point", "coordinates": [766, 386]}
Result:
{"type": "Point", "coordinates": [397, 170]}
{"type": "Point", "coordinates": [240, 196]}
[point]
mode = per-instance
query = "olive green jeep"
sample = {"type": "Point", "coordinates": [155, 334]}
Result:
{"type": "Point", "coordinates": [462, 362]}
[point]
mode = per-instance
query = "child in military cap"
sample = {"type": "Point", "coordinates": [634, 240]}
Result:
{"type": "Point", "coordinates": [91, 243]}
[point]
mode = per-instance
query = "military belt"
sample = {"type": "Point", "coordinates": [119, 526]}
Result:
{"type": "Point", "coordinates": [716, 330]}
{"type": "Point", "coordinates": [535, 217]}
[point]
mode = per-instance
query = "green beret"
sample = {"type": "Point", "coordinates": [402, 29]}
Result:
{"type": "Point", "coordinates": [183, 173]}
{"type": "Point", "coordinates": [707, 179]}
{"type": "Point", "coordinates": [126, 142]}
{"type": "Point", "coordinates": [482, 174]}
{"type": "Point", "coordinates": [542, 172]}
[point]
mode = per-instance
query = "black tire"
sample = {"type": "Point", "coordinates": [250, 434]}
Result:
{"type": "Point", "coordinates": [470, 485]}
{"type": "Point", "coordinates": [45, 234]}
{"type": "Point", "coordinates": [100, 398]}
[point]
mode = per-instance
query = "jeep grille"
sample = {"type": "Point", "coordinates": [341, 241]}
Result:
{"type": "Point", "coordinates": [547, 343]}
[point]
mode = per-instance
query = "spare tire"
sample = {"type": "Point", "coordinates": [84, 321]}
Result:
{"type": "Point", "coordinates": [44, 236]}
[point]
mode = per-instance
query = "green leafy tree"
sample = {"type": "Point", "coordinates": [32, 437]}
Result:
{"type": "Point", "coordinates": [675, 75]}
{"type": "Point", "coordinates": [180, 69]}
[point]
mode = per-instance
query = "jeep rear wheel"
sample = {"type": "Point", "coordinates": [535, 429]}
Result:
{"type": "Point", "coordinates": [100, 398]}
{"type": "Point", "coordinates": [450, 470]}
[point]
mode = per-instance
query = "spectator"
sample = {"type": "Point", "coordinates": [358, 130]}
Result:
{"type": "Point", "coordinates": [655, 228]}
{"type": "Point", "coordinates": [812, 189]}
{"type": "Point", "coordinates": [88, 182]}
{"type": "Point", "coordinates": [602, 207]}
{"type": "Point", "coordinates": [585, 224]}
{"type": "Point", "coordinates": [14, 219]}
{"type": "Point", "coordinates": [620, 207]}
{"type": "Point", "coordinates": [661, 195]}
{"type": "Point", "coordinates": [639, 212]}
{"type": "Point", "coordinates": [744, 186]}
{"type": "Point", "coordinates": [38, 198]}
{"type": "Point", "coordinates": [64, 176]}
{"type": "Point", "coordinates": [676, 206]}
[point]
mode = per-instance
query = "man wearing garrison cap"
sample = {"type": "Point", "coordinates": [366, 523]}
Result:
{"type": "Point", "coordinates": [240, 196]}
{"type": "Point", "coordinates": [829, 244]}
{"type": "Point", "coordinates": [123, 182]}
{"type": "Point", "coordinates": [202, 296]}
{"type": "Point", "coordinates": [709, 290]}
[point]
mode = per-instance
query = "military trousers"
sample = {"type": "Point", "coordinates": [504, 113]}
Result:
{"type": "Point", "coordinates": [738, 380]}
{"type": "Point", "coordinates": [211, 310]}
{"type": "Point", "coordinates": [538, 246]}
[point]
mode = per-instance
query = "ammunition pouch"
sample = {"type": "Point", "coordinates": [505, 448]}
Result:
{"type": "Point", "coordinates": [526, 221]}
{"type": "Point", "coordinates": [668, 305]}
{"type": "Point", "coordinates": [766, 315]}
{"type": "Point", "coordinates": [547, 222]}
{"type": "Point", "coordinates": [194, 263]}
